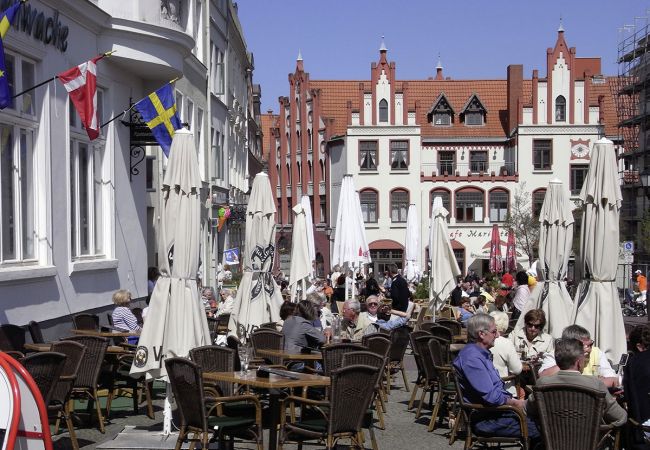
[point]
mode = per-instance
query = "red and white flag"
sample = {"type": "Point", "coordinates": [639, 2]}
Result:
{"type": "Point", "coordinates": [81, 84]}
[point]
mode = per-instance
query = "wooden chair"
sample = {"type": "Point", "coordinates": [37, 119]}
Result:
{"type": "Point", "coordinates": [12, 338]}
{"type": "Point", "coordinates": [421, 377]}
{"type": "Point", "coordinates": [86, 385]}
{"type": "Point", "coordinates": [455, 326]}
{"type": "Point", "coordinates": [45, 368]}
{"type": "Point", "coordinates": [59, 403]}
{"type": "Point", "coordinates": [427, 326]}
{"type": "Point", "coordinates": [86, 321]}
{"type": "Point", "coordinates": [213, 358]}
{"type": "Point", "coordinates": [570, 416]}
{"type": "Point", "coordinates": [267, 339]}
{"type": "Point", "coordinates": [35, 332]}
{"type": "Point", "coordinates": [333, 355]}
{"type": "Point", "coordinates": [342, 416]}
{"type": "Point", "coordinates": [399, 341]}
{"type": "Point", "coordinates": [469, 411]}
{"type": "Point", "coordinates": [197, 412]}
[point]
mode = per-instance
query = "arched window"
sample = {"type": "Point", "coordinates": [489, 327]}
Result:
{"type": "Point", "coordinates": [299, 172]}
{"type": "Point", "coordinates": [560, 109]}
{"type": "Point", "coordinates": [499, 202]}
{"type": "Point", "coordinates": [538, 201]}
{"type": "Point", "coordinates": [288, 174]}
{"type": "Point", "coordinates": [320, 265]}
{"type": "Point", "coordinates": [369, 207]}
{"type": "Point", "coordinates": [322, 169]}
{"type": "Point", "coordinates": [277, 170]}
{"type": "Point", "coordinates": [399, 205]}
{"type": "Point", "coordinates": [446, 200]}
{"type": "Point", "coordinates": [298, 142]}
{"type": "Point", "coordinates": [383, 111]}
{"type": "Point", "coordinates": [309, 174]}
{"type": "Point", "coordinates": [309, 140]}
{"type": "Point", "coordinates": [469, 205]}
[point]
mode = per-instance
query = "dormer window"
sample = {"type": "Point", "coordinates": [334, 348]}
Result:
{"type": "Point", "coordinates": [441, 113]}
{"type": "Point", "coordinates": [383, 111]}
{"type": "Point", "coordinates": [473, 112]}
{"type": "Point", "coordinates": [560, 109]}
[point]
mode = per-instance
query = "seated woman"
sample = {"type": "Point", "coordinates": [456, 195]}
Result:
{"type": "Point", "coordinates": [208, 301]}
{"type": "Point", "coordinates": [531, 341]}
{"type": "Point", "coordinates": [505, 357]}
{"type": "Point", "coordinates": [123, 318]}
{"type": "Point", "coordinates": [299, 331]}
{"type": "Point", "coordinates": [465, 311]}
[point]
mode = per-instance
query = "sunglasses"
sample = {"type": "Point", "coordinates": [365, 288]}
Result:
{"type": "Point", "coordinates": [537, 326]}
{"type": "Point", "coordinates": [373, 304]}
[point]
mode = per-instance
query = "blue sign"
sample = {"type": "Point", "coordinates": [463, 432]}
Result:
{"type": "Point", "coordinates": [231, 256]}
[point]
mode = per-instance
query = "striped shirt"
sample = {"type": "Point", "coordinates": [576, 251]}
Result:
{"type": "Point", "coordinates": [124, 319]}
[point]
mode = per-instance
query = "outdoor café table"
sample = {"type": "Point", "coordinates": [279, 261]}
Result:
{"type": "Point", "coordinates": [286, 356]}
{"type": "Point", "coordinates": [109, 334]}
{"type": "Point", "coordinates": [273, 383]}
{"type": "Point", "coordinates": [45, 347]}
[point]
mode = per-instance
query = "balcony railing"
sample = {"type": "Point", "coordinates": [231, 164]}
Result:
{"type": "Point", "coordinates": [630, 176]}
{"type": "Point", "coordinates": [463, 169]}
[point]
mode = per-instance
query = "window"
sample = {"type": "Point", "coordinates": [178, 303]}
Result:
{"type": "Point", "coordinates": [368, 200]}
{"type": "Point", "coordinates": [277, 171]}
{"type": "Point", "coordinates": [542, 154]}
{"type": "Point", "coordinates": [442, 118]}
{"type": "Point", "coordinates": [179, 105]}
{"type": "Point", "coordinates": [189, 116]}
{"type": "Point", "coordinates": [383, 111]}
{"type": "Point", "coordinates": [309, 141]}
{"type": "Point", "coordinates": [199, 128]}
{"type": "Point", "coordinates": [459, 254]}
{"type": "Point", "coordinates": [20, 76]}
{"type": "Point", "coordinates": [289, 176]}
{"type": "Point", "coordinates": [560, 109]}
{"type": "Point", "coordinates": [86, 198]}
{"type": "Point", "coordinates": [447, 163]}
{"type": "Point", "coordinates": [298, 142]}
{"type": "Point", "coordinates": [217, 155]}
{"type": "Point", "coordinates": [478, 161]}
{"type": "Point", "coordinates": [578, 175]}
{"type": "Point", "coordinates": [323, 210]}
{"type": "Point", "coordinates": [17, 185]}
{"type": "Point", "coordinates": [474, 118]}
{"type": "Point", "coordinates": [399, 154]}
{"type": "Point", "coordinates": [150, 168]}
{"type": "Point", "coordinates": [399, 205]}
{"type": "Point", "coordinates": [538, 201]}
{"type": "Point", "coordinates": [217, 70]}
{"type": "Point", "coordinates": [368, 155]}
{"type": "Point", "coordinates": [498, 205]}
{"type": "Point", "coordinates": [469, 206]}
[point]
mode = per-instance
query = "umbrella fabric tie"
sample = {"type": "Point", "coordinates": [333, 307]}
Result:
{"type": "Point", "coordinates": [262, 280]}
{"type": "Point", "coordinates": [585, 289]}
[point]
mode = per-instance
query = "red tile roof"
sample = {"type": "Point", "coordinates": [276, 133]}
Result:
{"type": "Point", "coordinates": [334, 97]}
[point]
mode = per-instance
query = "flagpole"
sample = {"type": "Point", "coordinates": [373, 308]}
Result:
{"type": "Point", "coordinates": [106, 54]}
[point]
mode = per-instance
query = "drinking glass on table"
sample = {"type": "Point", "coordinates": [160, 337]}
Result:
{"type": "Point", "coordinates": [244, 357]}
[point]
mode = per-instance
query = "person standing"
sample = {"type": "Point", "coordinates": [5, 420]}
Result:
{"type": "Point", "coordinates": [642, 284]}
{"type": "Point", "coordinates": [522, 293]}
{"type": "Point", "coordinates": [399, 290]}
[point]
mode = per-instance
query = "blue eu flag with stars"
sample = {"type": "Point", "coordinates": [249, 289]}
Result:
{"type": "Point", "coordinates": [158, 111]}
{"type": "Point", "coordinates": [5, 22]}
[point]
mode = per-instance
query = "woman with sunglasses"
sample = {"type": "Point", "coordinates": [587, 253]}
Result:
{"type": "Point", "coordinates": [531, 341]}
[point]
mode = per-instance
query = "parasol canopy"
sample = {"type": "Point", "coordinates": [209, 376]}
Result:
{"type": "Point", "coordinates": [300, 267]}
{"type": "Point", "coordinates": [412, 245]}
{"type": "Point", "coordinates": [496, 260]}
{"type": "Point", "coordinates": [444, 267]}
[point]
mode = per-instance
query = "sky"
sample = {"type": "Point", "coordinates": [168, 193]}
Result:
{"type": "Point", "coordinates": [476, 39]}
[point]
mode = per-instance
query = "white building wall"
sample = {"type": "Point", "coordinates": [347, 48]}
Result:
{"type": "Point", "coordinates": [560, 86]}
{"type": "Point", "coordinates": [579, 92]}
{"type": "Point", "coordinates": [541, 102]}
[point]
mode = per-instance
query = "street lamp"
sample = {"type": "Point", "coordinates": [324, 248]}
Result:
{"type": "Point", "coordinates": [645, 180]}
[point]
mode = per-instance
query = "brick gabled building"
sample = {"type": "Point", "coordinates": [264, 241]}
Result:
{"type": "Point", "coordinates": [472, 142]}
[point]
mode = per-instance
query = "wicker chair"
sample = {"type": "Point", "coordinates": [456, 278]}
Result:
{"type": "Point", "coordinates": [340, 417]}
{"type": "Point", "coordinates": [377, 343]}
{"type": "Point", "coordinates": [109, 318]}
{"type": "Point", "coordinates": [59, 404]}
{"type": "Point", "coordinates": [426, 326]}
{"type": "Point", "coordinates": [12, 337]}
{"type": "Point", "coordinates": [367, 358]}
{"type": "Point", "coordinates": [570, 416]}
{"type": "Point", "coordinates": [212, 358]}
{"type": "Point", "coordinates": [35, 332]}
{"type": "Point", "coordinates": [434, 381]}
{"type": "Point", "coordinates": [267, 339]}
{"type": "Point", "coordinates": [232, 342]}
{"type": "Point", "coordinates": [213, 326]}
{"type": "Point", "coordinates": [420, 317]}
{"type": "Point", "coordinates": [399, 341]}
{"type": "Point", "coordinates": [333, 355]}
{"type": "Point", "coordinates": [123, 384]}
{"type": "Point", "coordinates": [470, 410]}
{"type": "Point", "coordinates": [270, 325]}
{"type": "Point", "coordinates": [442, 332]}
{"type": "Point", "coordinates": [420, 380]}
{"type": "Point", "coordinates": [455, 326]}
{"type": "Point", "coordinates": [186, 380]}
{"type": "Point", "coordinates": [45, 368]}
{"type": "Point", "coordinates": [86, 321]}
{"type": "Point", "coordinates": [86, 384]}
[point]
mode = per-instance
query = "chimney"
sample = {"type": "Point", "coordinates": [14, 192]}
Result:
{"type": "Point", "coordinates": [515, 93]}
{"type": "Point", "coordinates": [439, 76]}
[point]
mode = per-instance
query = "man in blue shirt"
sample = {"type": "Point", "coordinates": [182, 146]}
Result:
{"type": "Point", "coordinates": [480, 382]}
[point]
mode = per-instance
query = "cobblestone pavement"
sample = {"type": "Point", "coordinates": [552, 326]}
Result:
{"type": "Point", "coordinates": [402, 431]}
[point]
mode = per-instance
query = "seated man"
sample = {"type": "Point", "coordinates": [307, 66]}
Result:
{"type": "Point", "coordinates": [480, 382]}
{"type": "Point", "coordinates": [570, 359]}
{"type": "Point", "coordinates": [353, 325]}
{"type": "Point", "coordinates": [389, 319]}
{"type": "Point", "coordinates": [596, 361]}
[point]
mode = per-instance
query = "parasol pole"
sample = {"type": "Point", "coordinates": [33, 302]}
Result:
{"type": "Point", "coordinates": [167, 411]}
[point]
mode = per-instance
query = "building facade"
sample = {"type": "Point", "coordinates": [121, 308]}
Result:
{"type": "Point", "coordinates": [475, 143]}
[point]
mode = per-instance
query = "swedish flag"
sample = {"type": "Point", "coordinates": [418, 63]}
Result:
{"type": "Point", "coordinates": [5, 22]}
{"type": "Point", "coordinates": [158, 110]}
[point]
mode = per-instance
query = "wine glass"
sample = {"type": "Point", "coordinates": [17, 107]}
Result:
{"type": "Point", "coordinates": [244, 356]}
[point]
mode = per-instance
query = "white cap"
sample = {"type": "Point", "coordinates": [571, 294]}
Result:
{"type": "Point", "coordinates": [638, 271]}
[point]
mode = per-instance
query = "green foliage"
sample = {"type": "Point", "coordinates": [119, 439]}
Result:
{"type": "Point", "coordinates": [422, 290]}
{"type": "Point", "coordinates": [521, 220]}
